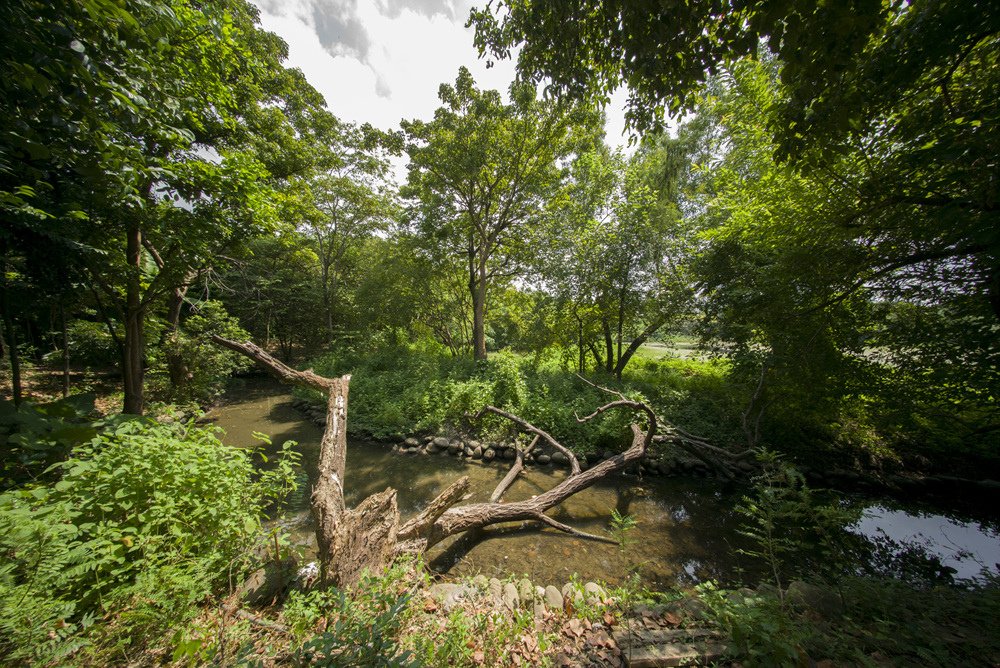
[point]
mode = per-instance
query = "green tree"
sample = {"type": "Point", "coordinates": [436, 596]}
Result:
{"type": "Point", "coordinates": [615, 248]}
{"type": "Point", "coordinates": [353, 201]}
{"type": "Point", "coordinates": [177, 126]}
{"type": "Point", "coordinates": [480, 173]}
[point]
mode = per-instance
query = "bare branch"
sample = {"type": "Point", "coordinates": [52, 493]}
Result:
{"type": "Point", "coordinates": [602, 388]}
{"type": "Point", "coordinates": [545, 519]}
{"type": "Point", "coordinates": [527, 426]}
{"type": "Point", "coordinates": [512, 474]}
{"type": "Point", "coordinates": [279, 369]}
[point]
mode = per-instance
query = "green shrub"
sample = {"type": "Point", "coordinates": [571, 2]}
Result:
{"type": "Point", "coordinates": [145, 521]}
{"type": "Point", "coordinates": [355, 627]}
{"type": "Point", "coordinates": [35, 436]}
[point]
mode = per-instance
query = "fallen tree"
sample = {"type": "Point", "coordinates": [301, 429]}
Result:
{"type": "Point", "coordinates": [371, 535]}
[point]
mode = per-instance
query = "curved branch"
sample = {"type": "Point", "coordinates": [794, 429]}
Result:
{"type": "Point", "coordinates": [528, 427]}
{"type": "Point", "coordinates": [511, 476]}
{"type": "Point", "coordinates": [555, 524]}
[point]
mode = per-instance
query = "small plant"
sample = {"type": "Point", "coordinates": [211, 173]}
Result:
{"type": "Point", "coordinates": [145, 522]}
{"type": "Point", "coordinates": [355, 627]}
{"type": "Point", "coordinates": [621, 528]}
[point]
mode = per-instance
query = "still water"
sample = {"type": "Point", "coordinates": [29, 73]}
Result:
{"type": "Point", "coordinates": [686, 532]}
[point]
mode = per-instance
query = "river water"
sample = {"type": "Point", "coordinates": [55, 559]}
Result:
{"type": "Point", "coordinates": [686, 532]}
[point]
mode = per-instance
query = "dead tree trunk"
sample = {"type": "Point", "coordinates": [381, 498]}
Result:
{"type": "Point", "coordinates": [371, 535]}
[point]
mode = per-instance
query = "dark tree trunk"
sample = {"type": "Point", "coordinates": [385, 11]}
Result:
{"type": "Point", "coordinates": [132, 372]}
{"type": "Point", "coordinates": [65, 349]}
{"type": "Point", "coordinates": [11, 343]}
{"type": "Point", "coordinates": [651, 329]}
{"type": "Point", "coordinates": [176, 366]}
{"type": "Point", "coordinates": [598, 360]}
{"type": "Point", "coordinates": [609, 347]}
{"type": "Point", "coordinates": [479, 311]}
{"type": "Point", "coordinates": [582, 360]}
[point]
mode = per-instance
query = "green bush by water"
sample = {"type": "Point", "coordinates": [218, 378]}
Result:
{"type": "Point", "coordinates": [144, 522]}
{"type": "Point", "coordinates": [399, 388]}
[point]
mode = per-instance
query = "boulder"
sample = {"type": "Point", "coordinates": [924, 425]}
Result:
{"type": "Point", "coordinates": [813, 597]}
{"type": "Point", "coordinates": [454, 448]}
{"type": "Point", "coordinates": [477, 452]}
{"type": "Point", "coordinates": [571, 593]}
{"type": "Point", "coordinates": [495, 588]}
{"type": "Point", "coordinates": [489, 455]}
{"type": "Point", "coordinates": [525, 591]}
{"type": "Point", "coordinates": [543, 459]}
{"type": "Point", "coordinates": [411, 442]}
{"type": "Point", "coordinates": [441, 442]}
{"type": "Point", "coordinates": [560, 458]}
{"type": "Point", "coordinates": [449, 595]}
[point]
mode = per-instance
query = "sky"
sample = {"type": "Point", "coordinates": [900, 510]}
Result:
{"type": "Point", "coordinates": [380, 61]}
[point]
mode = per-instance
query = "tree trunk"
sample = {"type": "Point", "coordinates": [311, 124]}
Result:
{"type": "Point", "coordinates": [479, 311]}
{"type": "Point", "coordinates": [132, 371]}
{"type": "Point", "coordinates": [371, 536]}
{"type": "Point", "coordinates": [65, 349]}
{"type": "Point", "coordinates": [582, 360]}
{"type": "Point", "coordinates": [609, 347]}
{"type": "Point", "coordinates": [327, 305]}
{"type": "Point", "coordinates": [650, 329]}
{"type": "Point", "coordinates": [177, 367]}
{"type": "Point", "coordinates": [15, 364]}
{"type": "Point", "coordinates": [11, 343]}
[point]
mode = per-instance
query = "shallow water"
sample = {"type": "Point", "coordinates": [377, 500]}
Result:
{"type": "Point", "coordinates": [687, 529]}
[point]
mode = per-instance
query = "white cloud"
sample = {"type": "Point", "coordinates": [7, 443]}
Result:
{"type": "Point", "coordinates": [380, 62]}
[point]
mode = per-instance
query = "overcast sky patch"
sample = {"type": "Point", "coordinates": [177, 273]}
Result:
{"type": "Point", "coordinates": [382, 61]}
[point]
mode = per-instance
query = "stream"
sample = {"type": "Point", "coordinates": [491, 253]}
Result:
{"type": "Point", "coordinates": [687, 530]}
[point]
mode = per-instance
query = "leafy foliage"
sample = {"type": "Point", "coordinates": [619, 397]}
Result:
{"type": "Point", "coordinates": [144, 523]}
{"type": "Point", "coordinates": [356, 627]}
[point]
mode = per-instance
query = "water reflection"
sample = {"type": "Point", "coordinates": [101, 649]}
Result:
{"type": "Point", "coordinates": [686, 531]}
{"type": "Point", "coordinates": [678, 521]}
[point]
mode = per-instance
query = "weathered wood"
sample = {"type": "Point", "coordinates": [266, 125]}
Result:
{"type": "Point", "coordinates": [463, 518]}
{"type": "Point", "coordinates": [370, 536]}
{"type": "Point", "coordinates": [365, 539]}
{"type": "Point", "coordinates": [280, 369]}
{"type": "Point", "coordinates": [528, 427]}
{"type": "Point", "coordinates": [674, 654]}
{"type": "Point", "coordinates": [515, 470]}
{"type": "Point", "coordinates": [418, 527]}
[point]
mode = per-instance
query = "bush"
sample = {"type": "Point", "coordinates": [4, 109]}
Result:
{"type": "Point", "coordinates": [145, 521]}
{"type": "Point", "coordinates": [196, 368]}
{"type": "Point", "coordinates": [400, 388]}
{"type": "Point", "coordinates": [91, 344]}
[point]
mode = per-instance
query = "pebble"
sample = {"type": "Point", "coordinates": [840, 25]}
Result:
{"type": "Point", "coordinates": [553, 599]}
{"type": "Point", "coordinates": [509, 597]}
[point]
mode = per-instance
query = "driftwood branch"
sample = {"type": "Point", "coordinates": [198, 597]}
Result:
{"type": "Point", "coordinates": [532, 429]}
{"type": "Point", "coordinates": [371, 535]}
{"type": "Point", "coordinates": [514, 471]}
{"type": "Point", "coordinates": [545, 519]}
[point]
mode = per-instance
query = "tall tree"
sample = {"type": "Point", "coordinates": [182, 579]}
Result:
{"type": "Point", "coordinates": [353, 201]}
{"type": "Point", "coordinates": [480, 173]}
{"type": "Point", "coordinates": [178, 124]}
{"type": "Point", "coordinates": [615, 247]}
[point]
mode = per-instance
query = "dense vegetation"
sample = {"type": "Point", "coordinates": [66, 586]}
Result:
{"type": "Point", "coordinates": [820, 231]}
